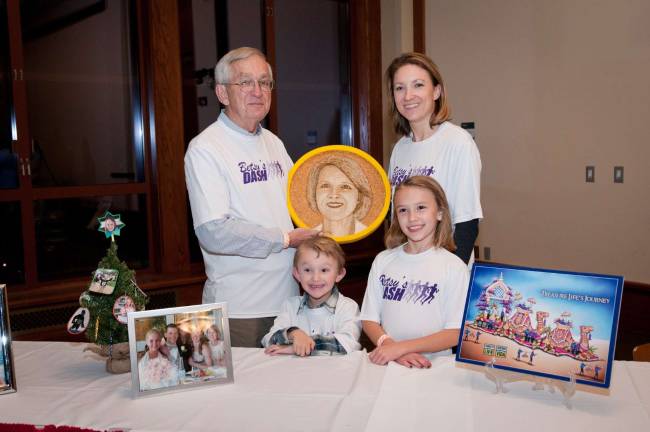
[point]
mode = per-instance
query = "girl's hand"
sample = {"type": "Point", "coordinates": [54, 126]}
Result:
{"type": "Point", "coordinates": [415, 360]}
{"type": "Point", "coordinates": [302, 343]}
{"type": "Point", "coordinates": [278, 349]}
{"type": "Point", "coordinates": [388, 351]}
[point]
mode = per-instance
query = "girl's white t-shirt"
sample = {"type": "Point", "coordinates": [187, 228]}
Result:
{"type": "Point", "coordinates": [415, 295]}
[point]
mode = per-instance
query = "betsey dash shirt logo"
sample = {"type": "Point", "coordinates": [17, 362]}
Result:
{"type": "Point", "coordinates": [408, 291]}
{"type": "Point", "coordinates": [262, 171]}
{"type": "Point", "coordinates": [400, 174]}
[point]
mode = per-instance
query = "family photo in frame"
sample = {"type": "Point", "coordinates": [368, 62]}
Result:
{"type": "Point", "coordinates": [7, 373]}
{"type": "Point", "coordinates": [555, 324]}
{"type": "Point", "coordinates": [179, 348]}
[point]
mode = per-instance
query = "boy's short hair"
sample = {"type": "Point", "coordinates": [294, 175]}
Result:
{"type": "Point", "coordinates": [321, 244]}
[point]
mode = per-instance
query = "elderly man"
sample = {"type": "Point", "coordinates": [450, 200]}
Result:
{"type": "Point", "coordinates": [236, 174]}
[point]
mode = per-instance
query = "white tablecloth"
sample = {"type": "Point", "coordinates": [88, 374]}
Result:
{"type": "Point", "coordinates": [464, 399]}
{"type": "Point", "coordinates": [59, 384]}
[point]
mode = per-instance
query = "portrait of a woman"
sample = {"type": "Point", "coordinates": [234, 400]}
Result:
{"type": "Point", "coordinates": [339, 191]}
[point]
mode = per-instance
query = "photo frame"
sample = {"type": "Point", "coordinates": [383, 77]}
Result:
{"type": "Point", "coordinates": [178, 365]}
{"type": "Point", "coordinates": [340, 190]}
{"type": "Point", "coordinates": [549, 323]}
{"type": "Point", "coordinates": [7, 373]}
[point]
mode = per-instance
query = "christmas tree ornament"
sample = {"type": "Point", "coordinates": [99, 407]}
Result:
{"type": "Point", "coordinates": [106, 329]}
{"type": "Point", "coordinates": [104, 281]}
{"type": "Point", "coordinates": [110, 225]}
{"type": "Point", "coordinates": [79, 321]}
{"type": "Point", "coordinates": [122, 306]}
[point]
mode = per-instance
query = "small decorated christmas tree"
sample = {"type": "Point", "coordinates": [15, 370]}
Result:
{"type": "Point", "coordinates": [112, 293]}
{"type": "Point", "coordinates": [104, 328]}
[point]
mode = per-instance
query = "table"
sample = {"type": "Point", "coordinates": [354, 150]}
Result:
{"type": "Point", "coordinates": [462, 399]}
{"type": "Point", "coordinates": [60, 384]}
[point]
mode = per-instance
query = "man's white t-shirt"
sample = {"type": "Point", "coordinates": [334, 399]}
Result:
{"type": "Point", "coordinates": [415, 295]}
{"type": "Point", "coordinates": [230, 174]}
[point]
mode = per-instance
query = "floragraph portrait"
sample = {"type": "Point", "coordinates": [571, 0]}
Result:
{"type": "Point", "coordinates": [339, 190]}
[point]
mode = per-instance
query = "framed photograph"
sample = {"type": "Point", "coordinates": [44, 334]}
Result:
{"type": "Point", "coordinates": [555, 324]}
{"type": "Point", "coordinates": [7, 375]}
{"type": "Point", "coordinates": [340, 190]}
{"type": "Point", "coordinates": [179, 348]}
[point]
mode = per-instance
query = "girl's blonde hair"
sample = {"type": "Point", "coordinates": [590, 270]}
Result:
{"type": "Point", "coordinates": [443, 236]}
{"type": "Point", "coordinates": [215, 328]}
{"type": "Point", "coordinates": [152, 331]}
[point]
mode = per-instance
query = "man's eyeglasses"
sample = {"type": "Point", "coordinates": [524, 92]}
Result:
{"type": "Point", "coordinates": [247, 85]}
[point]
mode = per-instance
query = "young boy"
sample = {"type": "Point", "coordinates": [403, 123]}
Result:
{"type": "Point", "coordinates": [322, 321]}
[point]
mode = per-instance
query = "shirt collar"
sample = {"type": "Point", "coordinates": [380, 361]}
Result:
{"type": "Point", "coordinates": [329, 304]}
{"type": "Point", "coordinates": [234, 126]}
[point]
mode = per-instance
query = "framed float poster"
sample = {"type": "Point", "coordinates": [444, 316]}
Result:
{"type": "Point", "coordinates": [179, 348]}
{"type": "Point", "coordinates": [7, 374]}
{"type": "Point", "coordinates": [339, 190]}
{"type": "Point", "coordinates": [554, 324]}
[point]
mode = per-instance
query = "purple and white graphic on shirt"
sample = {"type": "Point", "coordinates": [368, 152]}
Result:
{"type": "Point", "coordinates": [262, 171]}
{"type": "Point", "coordinates": [400, 174]}
{"type": "Point", "coordinates": [409, 291]}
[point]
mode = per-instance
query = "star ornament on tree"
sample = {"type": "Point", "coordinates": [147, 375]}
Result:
{"type": "Point", "coordinates": [110, 225]}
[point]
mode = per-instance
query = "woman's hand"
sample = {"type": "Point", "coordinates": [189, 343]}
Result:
{"type": "Point", "coordinates": [302, 343]}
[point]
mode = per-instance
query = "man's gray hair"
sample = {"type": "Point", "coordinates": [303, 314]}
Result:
{"type": "Point", "coordinates": [222, 69]}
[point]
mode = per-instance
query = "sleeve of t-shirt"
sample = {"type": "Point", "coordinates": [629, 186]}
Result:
{"type": "Point", "coordinates": [371, 307]}
{"type": "Point", "coordinates": [207, 188]}
{"type": "Point", "coordinates": [457, 287]}
{"type": "Point", "coordinates": [231, 236]}
{"type": "Point", "coordinates": [348, 326]}
{"type": "Point", "coordinates": [466, 203]}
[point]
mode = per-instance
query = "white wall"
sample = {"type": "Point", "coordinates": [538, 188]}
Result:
{"type": "Point", "coordinates": [554, 86]}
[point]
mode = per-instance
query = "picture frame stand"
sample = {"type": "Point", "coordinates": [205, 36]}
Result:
{"type": "Point", "coordinates": [501, 377]}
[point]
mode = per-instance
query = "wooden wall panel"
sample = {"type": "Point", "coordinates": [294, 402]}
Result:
{"type": "Point", "coordinates": [365, 52]}
{"type": "Point", "coordinates": [167, 139]}
{"type": "Point", "coordinates": [633, 325]}
{"type": "Point", "coordinates": [419, 26]}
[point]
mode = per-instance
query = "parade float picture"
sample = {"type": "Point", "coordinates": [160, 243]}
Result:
{"type": "Point", "coordinates": [554, 324]}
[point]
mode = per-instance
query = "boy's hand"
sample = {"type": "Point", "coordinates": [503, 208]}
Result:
{"type": "Point", "coordinates": [278, 349]}
{"type": "Point", "coordinates": [388, 351]}
{"type": "Point", "coordinates": [302, 343]}
{"type": "Point", "coordinates": [415, 360]}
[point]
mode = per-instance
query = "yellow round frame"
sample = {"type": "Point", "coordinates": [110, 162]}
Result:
{"type": "Point", "coordinates": [371, 227]}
